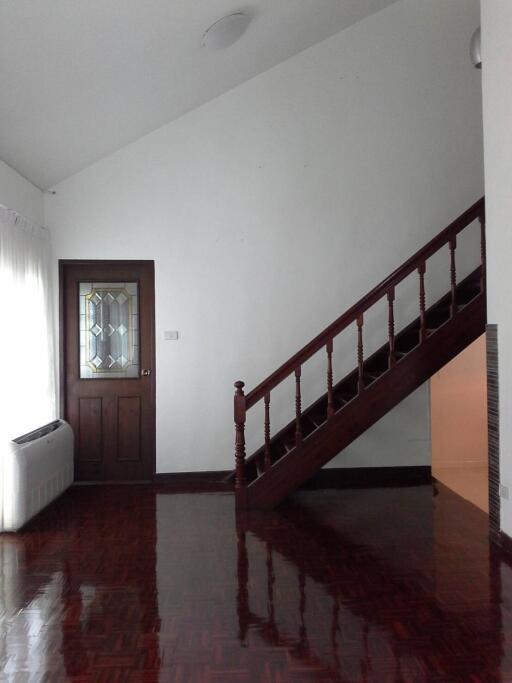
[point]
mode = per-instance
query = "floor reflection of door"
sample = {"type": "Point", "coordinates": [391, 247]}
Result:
{"type": "Point", "coordinates": [108, 344]}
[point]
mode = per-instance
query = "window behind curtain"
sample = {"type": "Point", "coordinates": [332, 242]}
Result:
{"type": "Point", "coordinates": [27, 396]}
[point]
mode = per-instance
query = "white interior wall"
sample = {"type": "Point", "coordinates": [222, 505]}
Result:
{"type": "Point", "coordinates": [20, 195]}
{"type": "Point", "coordinates": [497, 104]}
{"type": "Point", "coordinates": [271, 209]}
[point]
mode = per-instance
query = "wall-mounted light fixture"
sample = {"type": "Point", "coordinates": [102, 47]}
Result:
{"type": "Point", "coordinates": [226, 31]}
{"type": "Point", "coordinates": [475, 48]}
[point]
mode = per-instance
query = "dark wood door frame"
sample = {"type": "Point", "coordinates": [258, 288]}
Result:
{"type": "Point", "coordinates": [62, 337]}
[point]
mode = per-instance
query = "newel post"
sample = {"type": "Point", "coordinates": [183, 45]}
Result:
{"type": "Point", "coordinates": [239, 405]}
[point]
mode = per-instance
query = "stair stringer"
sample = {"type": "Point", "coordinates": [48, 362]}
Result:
{"type": "Point", "coordinates": [300, 464]}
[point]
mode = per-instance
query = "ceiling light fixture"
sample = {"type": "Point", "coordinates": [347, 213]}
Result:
{"type": "Point", "coordinates": [226, 31]}
{"type": "Point", "coordinates": [475, 49]}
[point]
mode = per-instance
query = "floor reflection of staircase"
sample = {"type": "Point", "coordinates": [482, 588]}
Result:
{"type": "Point", "coordinates": [297, 646]}
{"type": "Point", "coordinates": [357, 580]}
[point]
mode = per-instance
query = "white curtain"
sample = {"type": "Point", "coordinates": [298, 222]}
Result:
{"type": "Point", "coordinates": [27, 362]}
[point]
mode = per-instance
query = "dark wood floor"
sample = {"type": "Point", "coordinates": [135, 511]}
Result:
{"type": "Point", "coordinates": [115, 584]}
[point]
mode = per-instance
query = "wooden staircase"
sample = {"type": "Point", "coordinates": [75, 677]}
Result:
{"type": "Point", "coordinates": [378, 383]}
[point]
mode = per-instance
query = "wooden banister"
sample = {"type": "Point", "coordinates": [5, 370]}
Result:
{"type": "Point", "coordinates": [477, 211]}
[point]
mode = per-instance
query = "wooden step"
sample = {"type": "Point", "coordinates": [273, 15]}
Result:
{"type": "Point", "coordinates": [288, 442]}
{"type": "Point", "coordinates": [438, 318]}
{"type": "Point", "coordinates": [251, 471]}
{"type": "Point", "coordinates": [343, 397]}
{"type": "Point", "coordinates": [308, 425]}
{"type": "Point", "coordinates": [467, 295]}
{"type": "Point", "coordinates": [372, 376]}
{"type": "Point", "coordinates": [260, 464]}
{"type": "Point", "coordinates": [319, 418]}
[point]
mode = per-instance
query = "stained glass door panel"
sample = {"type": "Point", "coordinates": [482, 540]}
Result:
{"type": "Point", "coordinates": [109, 330]}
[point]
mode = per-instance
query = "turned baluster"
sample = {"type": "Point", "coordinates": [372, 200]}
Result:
{"type": "Point", "coordinates": [239, 404]}
{"type": "Point", "coordinates": [268, 462]}
{"type": "Point", "coordinates": [482, 253]}
{"type": "Point", "coordinates": [453, 276]}
{"type": "Point", "coordinates": [423, 326]}
{"type": "Point", "coordinates": [391, 327]}
{"type": "Point", "coordinates": [330, 397]}
{"type": "Point", "coordinates": [298, 426]}
{"type": "Point", "coordinates": [360, 380]}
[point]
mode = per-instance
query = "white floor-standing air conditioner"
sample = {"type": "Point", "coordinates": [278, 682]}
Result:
{"type": "Point", "coordinates": [37, 467]}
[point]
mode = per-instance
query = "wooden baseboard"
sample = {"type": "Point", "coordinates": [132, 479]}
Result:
{"type": "Point", "coordinates": [370, 477]}
{"type": "Point", "coordinates": [329, 478]}
{"type": "Point", "coordinates": [195, 482]}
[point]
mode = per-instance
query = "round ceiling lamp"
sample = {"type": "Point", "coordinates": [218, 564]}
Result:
{"type": "Point", "coordinates": [226, 31]}
{"type": "Point", "coordinates": [475, 49]}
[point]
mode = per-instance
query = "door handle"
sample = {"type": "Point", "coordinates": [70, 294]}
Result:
{"type": "Point", "coordinates": [145, 372]}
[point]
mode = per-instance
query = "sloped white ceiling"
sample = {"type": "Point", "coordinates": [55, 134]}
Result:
{"type": "Point", "coordinates": [80, 79]}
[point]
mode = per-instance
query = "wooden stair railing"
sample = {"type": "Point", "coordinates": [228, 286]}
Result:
{"type": "Point", "coordinates": [260, 469]}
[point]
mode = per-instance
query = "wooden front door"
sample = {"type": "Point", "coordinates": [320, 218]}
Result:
{"type": "Point", "coordinates": [107, 336]}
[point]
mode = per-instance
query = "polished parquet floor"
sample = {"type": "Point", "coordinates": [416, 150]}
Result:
{"type": "Point", "coordinates": [133, 583]}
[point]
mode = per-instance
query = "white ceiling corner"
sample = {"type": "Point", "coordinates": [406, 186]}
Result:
{"type": "Point", "coordinates": [80, 80]}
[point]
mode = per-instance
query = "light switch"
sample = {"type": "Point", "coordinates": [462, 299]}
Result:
{"type": "Point", "coordinates": [171, 335]}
